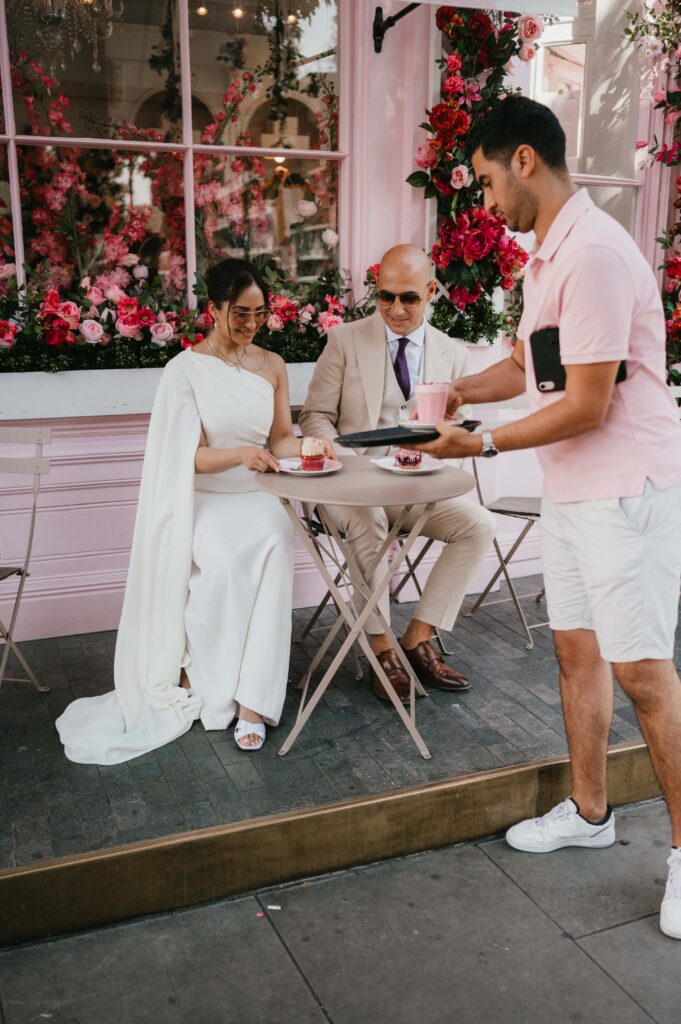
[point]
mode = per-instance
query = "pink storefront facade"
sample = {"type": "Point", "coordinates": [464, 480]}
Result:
{"type": "Point", "coordinates": [99, 418]}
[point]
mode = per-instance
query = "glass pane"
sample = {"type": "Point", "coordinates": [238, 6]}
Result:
{"type": "Point", "coordinates": [106, 69]}
{"type": "Point", "coordinates": [114, 217]}
{"type": "Point", "coordinates": [268, 71]}
{"type": "Point", "coordinates": [284, 209]}
{"type": "Point", "coordinates": [6, 231]}
{"type": "Point", "coordinates": [560, 76]}
{"type": "Point", "coordinates": [619, 202]}
{"type": "Point", "coordinates": [591, 77]}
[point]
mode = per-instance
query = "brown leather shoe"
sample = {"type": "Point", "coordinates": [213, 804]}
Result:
{"type": "Point", "coordinates": [392, 666]}
{"type": "Point", "coordinates": [433, 671]}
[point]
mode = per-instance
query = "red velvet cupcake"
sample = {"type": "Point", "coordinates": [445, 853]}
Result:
{"type": "Point", "coordinates": [312, 454]}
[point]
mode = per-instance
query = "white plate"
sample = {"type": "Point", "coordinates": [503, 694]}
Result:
{"type": "Point", "coordinates": [294, 467]}
{"type": "Point", "coordinates": [428, 465]}
{"type": "Point", "coordinates": [416, 425]}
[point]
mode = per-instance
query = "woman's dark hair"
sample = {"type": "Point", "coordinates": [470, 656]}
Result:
{"type": "Point", "coordinates": [519, 121]}
{"type": "Point", "coordinates": [226, 280]}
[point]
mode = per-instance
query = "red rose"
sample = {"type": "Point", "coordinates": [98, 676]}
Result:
{"type": "Point", "coordinates": [443, 184]}
{"type": "Point", "coordinates": [447, 19]}
{"type": "Point", "coordinates": [58, 334]}
{"type": "Point", "coordinates": [441, 256]}
{"type": "Point", "coordinates": [480, 25]}
{"type": "Point", "coordinates": [453, 63]}
{"type": "Point", "coordinates": [452, 84]}
{"type": "Point", "coordinates": [476, 246]}
{"type": "Point", "coordinates": [441, 117]}
{"type": "Point", "coordinates": [461, 122]}
{"type": "Point", "coordinates": [461, 298]}
{"type": "Point", "coordinates": [448, 233]}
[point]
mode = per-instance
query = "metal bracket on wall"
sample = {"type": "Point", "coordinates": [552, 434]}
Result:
{"type": "Point", "coordinates": [381, 24]}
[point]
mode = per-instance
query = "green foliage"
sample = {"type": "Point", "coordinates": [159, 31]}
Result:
{"type": "Point", "coordinates": [480, 322]}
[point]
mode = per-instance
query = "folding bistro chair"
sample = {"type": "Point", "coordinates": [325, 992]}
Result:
{"type": "Point", "coordinates": [35, 466]}
{"type": "Point", "coordinates": [527, 509]}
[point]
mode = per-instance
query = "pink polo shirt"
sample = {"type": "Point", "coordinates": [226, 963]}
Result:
{"type": "Point", "coordinates": [589, 279]}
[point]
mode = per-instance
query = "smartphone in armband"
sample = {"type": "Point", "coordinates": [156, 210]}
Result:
{"type": "Point", "coordinates": [549, 372]}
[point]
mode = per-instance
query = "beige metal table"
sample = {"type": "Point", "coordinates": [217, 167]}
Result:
{"type": "Point", "coordinates": [363, 484]}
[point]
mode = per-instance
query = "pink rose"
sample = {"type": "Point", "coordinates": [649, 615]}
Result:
{"type": "Point", "coordinates": [325, 321]}
{"type": "Point", "coordinates": [8, 270]}
{"type": "Point", "coordinates": [140, 272]}
{"type": "Point", "coordinates": [425, 156]}
{"type": "Point", "coordinates": [306, 314]}
{"type": "Point", "coordinates": [94, 295]}
{"type": "Point", "coordinates": [161, 334]}
{"type": "Point", "coordinates": [69, 313]}
{"type": "Point", "coordinates": [671, 117]}
{"type": "Point", "coordinates": [8, 333]}
{"type": "Point", "coordinates": [129, 260]}
{"type": "Point", "coordinates": [114, 294]}
{"type": "Point", "coordinates": [527, 52]}
{"type": "Point", "coordinates": [91, 331]}
{"type": "Point", "coordinates": [660, 96]}
{"type": "Point", "coordinates": [330, 238]}
{"type": "Point", "coordinates": [275, 322]}
{"type": "Point", "coordinates": [530, 27]}
{"type": "Point", "coordinates": [304, 208]}
{"type": "Point", "coordinates": [127, 327]}
{"type": "Point", "coordinates": [461, 176]}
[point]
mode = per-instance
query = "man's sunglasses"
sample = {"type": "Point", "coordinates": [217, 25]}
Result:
{"type": "Point", "coordinates": [406, 298]}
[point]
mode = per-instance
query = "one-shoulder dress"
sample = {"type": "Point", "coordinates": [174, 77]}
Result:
{"type": "Point", "coordinates": [210, 580]}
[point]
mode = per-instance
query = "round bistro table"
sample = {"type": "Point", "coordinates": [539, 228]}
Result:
{"type": "Point", "coordinates": [359, 483]}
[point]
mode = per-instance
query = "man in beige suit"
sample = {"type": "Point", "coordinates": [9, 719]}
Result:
{"type": "Point", "coordinates": [364, 380]}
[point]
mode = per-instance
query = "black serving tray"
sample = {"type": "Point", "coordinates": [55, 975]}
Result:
{"type": "Point", "coordinates": [398, 436]}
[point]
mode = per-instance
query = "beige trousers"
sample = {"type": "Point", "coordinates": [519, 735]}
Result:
{"type": "Point", "coordinates": [465, 528]}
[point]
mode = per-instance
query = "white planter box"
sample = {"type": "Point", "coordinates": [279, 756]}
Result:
{"type": "Point", "coordinates": [87, 393]}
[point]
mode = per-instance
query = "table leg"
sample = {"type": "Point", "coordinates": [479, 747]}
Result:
{"type": "Point", "coordinates": [356, 632]}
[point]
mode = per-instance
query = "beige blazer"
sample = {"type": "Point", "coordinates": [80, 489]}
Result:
{"type": "Point", "coordinates": [346, 389]}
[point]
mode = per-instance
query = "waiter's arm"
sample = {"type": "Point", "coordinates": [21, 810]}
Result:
{"type": "Point", "coordinates": [583, 406]}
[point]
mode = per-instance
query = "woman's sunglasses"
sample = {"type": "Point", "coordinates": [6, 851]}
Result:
{"type": "Point", "coordinates": [406, 298]}
{"type": "Point", "coordinates": [244, 316]}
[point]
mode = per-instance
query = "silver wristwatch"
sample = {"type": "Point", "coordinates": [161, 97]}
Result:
{"type": "Point", "coordinates": [489, 449]}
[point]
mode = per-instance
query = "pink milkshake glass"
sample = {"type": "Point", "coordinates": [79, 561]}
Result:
{"type": "Point", "coordinates": [431, 402]}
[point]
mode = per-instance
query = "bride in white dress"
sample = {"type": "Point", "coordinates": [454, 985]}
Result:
{"type": "Point", "coordinates": [206, 623]}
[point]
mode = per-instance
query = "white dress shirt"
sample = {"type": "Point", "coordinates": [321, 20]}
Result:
{"type": "Point", "coordinates": [413, 351]}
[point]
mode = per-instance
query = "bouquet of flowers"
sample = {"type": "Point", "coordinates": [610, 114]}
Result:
{"type": "Point", "coordinates": [656, 31]}
{"type": "Point", "coordinates": [474, 253]}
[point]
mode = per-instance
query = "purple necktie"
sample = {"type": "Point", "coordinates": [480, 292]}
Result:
{"type": "Point", "coordinates": [402, 370]}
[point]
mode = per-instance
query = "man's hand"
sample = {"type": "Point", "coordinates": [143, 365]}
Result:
{"type": "Point", "coordinates": [454, 400]}
{"type": "Point", "coordinates": [453, 443]}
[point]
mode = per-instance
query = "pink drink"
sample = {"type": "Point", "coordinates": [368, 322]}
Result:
{"type": "Point", "coordinates": [431, 402]}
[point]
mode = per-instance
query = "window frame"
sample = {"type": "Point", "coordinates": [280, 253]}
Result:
{"type": "Point", "coordinates": [11, 139]}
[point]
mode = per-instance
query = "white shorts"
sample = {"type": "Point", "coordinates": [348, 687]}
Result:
{"type": "Point", "coordinates": [614, 566]}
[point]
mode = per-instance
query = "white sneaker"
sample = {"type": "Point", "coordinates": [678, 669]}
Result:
{"type": "Point", "coordinates": [670, 911]}
{"type": "Point", "coordinates": [562, 826]}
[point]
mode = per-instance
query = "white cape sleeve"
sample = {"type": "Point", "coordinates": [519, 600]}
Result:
{"type": "Point", "coordinates": [148, 708]}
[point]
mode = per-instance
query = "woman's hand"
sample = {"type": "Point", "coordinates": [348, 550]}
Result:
{"type": "Point", "coordinates": [258, 460]}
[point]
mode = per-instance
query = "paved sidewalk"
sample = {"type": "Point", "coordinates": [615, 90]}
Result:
{"type": "Point", "coordinates": [353, 745]}
{"type": "Point", "coordinates": [474, 934]}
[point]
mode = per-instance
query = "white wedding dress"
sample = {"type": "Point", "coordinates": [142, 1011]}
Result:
{"type": "Point", "coordinates": [210, 581]}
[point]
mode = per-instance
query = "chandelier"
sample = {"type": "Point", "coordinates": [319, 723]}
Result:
{"type": "Point", "coordinates": [56, 28]}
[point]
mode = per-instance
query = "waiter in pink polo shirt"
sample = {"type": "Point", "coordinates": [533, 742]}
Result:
{"type": "Point", "coordinates": [591, 356]}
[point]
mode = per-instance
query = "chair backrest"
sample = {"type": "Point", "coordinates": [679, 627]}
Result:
{"type": "Point", "coordinates": [35, 466]}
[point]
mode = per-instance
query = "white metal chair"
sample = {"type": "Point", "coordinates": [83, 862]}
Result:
{"type": "Point", "coordinates": [527, 509]}
{"type": "Point", "coordinates": [35, 466]}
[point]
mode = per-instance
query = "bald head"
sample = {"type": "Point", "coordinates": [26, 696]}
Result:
{"type": "Point", "coordinates": [405, 286]}
{"type": "Point", "coordinates": [407, 259]}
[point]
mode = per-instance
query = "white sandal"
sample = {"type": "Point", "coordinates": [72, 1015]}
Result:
{"type": "Point", "coordinates": [243, 728]}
